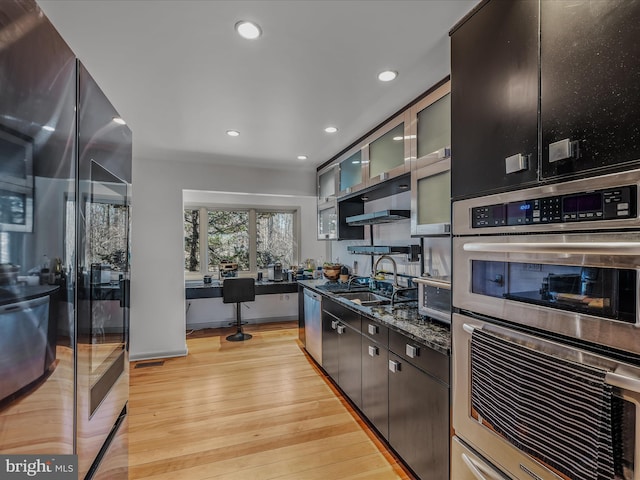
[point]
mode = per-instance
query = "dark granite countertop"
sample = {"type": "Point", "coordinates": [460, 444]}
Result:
{"type": "Point", "coordinates": [403, 318]}
{"type": "Point", "coordinates": [198, 289]}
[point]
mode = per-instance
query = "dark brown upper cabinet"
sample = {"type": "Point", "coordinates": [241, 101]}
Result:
{"type": "Point", "coordinates": [590, 86]}
{"type": "Point", "coordinates": [494, 99]}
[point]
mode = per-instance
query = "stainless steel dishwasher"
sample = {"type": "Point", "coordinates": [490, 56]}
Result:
{"type": "Point", "coordinates": [313, 324]}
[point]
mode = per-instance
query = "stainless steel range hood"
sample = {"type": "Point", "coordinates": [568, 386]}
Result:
{"type": "Point", "coordinates": [384, 216]}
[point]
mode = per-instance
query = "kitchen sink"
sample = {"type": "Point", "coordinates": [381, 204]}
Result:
{"type": "Point", "coordinates": [365, 298]}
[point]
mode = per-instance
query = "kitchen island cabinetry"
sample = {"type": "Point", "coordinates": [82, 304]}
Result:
{"type": "Point", "coordinates": [419, 407]}
{"type": "Point", "coordinates": [341, 348]}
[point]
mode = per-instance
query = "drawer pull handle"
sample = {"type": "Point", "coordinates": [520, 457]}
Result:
{"type": "Point", "coordinates": [334, 324]}
{"type": "Point", "coordinates": [372, 329]}
{"type": "Point", "coordinates": [341, 329]}
{"type": "Point", "coordinates": [411, 351]}
{"type": "Point", "coordinates": [373, 350]}
{"type": "Point", "coordinates": [394, 366]}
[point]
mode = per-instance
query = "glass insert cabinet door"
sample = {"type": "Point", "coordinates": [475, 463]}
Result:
{"type": "Point", "coordinates": [387, 152]}
{"type": "Point", "coordinates": [352, 168]}
{"type": "Point", "coordinates": [328, 222]}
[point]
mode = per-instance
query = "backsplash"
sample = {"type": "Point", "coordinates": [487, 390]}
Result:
{"type": "Point", "coordinates": [437, 250]}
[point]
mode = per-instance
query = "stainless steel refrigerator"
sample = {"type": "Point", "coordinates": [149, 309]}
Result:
{"type": "Point", "coordinates": [65, 190]}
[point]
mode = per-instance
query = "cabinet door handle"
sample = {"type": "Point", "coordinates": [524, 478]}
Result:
{"type": "Point", "coordinates": [372, 329]}
{"type": "Point", "coordinates": [334, 324]}
{"type": "Point", "coordinates": [394, 366]}
{"type": "Point", "coordinates": [341, 329]}
{"type": "Point", "coordinates": [563, 149]}
{"type": "Point", "coordinates": [516, 163]}
{"type": "Point", "coordinates": [411, 351]}
{"type": "Point", "coordinates": [373, 350]}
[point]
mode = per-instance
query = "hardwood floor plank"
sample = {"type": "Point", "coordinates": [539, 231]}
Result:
{"type": "Point", "coordinates": [249, 410]}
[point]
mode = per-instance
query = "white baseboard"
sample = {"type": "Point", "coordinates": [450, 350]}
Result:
{"type": "Point", "coordinates": [154, 355]}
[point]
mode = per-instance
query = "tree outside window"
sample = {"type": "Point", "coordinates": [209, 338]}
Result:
{"type": "Point", "coordinates": [228, 239]}
{"type": "Point", "coordinates": [253, 238]}
{"type": "Point", "coordinates": [192, 240]}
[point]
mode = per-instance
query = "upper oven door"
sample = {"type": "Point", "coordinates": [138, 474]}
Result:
{"type": "Point", "coordinates": [583, 286]}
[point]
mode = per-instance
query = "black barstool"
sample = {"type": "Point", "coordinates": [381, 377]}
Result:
{"type": "Point", "coordinates": [238, 290]}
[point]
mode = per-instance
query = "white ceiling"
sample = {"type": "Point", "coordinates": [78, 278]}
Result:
{"type": "Point", "coordinates": [181, 76]}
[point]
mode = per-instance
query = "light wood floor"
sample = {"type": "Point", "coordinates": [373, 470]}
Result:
{"type": "Point", "coordinates": [253, 410]}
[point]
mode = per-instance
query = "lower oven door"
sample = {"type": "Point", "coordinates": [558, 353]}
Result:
{"type": "Point", "coordinates": [541, 409]}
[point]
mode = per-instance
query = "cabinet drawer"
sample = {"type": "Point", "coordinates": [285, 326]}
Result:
{"type": "Point", "coordinates": [425, 358]}
{"type": "Point", "coordinates": [346, 316]}
{"type": "Point", "coordinates": [375, 331]}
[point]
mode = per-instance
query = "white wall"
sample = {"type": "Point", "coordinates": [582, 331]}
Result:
{"type": "Point", "coordinates": [212, 312]}
{"type": "Point", "coordinates": [157, 265]}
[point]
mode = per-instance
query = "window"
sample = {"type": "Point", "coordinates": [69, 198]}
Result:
{"type": "Point", "coordinates": [251, 237]}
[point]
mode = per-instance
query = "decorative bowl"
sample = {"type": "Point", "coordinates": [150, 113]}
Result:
{"type": "Point", "coordinates": [331, 272]}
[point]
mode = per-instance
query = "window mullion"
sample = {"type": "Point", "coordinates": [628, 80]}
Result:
{"type": "Point", "coordinates": [253, 241]}
{"type": "Point", "coordinates": [204, 240]}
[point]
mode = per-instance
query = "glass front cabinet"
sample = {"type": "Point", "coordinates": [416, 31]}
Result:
{"type": "Point", "coordinates": [389, 150]}
{"type": "Point", "coordinates": [431, 163]}
{"type": "Point", "coordinates": [332, 214]}
{"type": "Point", "coordinates": [351, 176]}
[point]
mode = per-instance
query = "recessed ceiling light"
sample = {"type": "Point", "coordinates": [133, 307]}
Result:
{"type": "Point", "coordinates": [398, 138]}
{"type": "Point", "coordinates": [48, 128]}
{"type": "Point", "coordinates": [233, 133]}
{"type": "Point", "coordinates": [248, 30]}
{"type": "Point", "coordinates": [355, 162]}
{"type": "Point", "coordinates": [387, 75]}
{"type": "Point", "coordinates": [119, 121]}
{"type": "Point", "coordinates": [331, 129]}
{"type": "Point", "coordinates": [302, 157]}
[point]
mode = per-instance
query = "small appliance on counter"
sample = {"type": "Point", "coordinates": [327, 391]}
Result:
{"type": "Point", "coordinates": [274, 272]}
{"type": "Point", "coordinates": [228, 270]}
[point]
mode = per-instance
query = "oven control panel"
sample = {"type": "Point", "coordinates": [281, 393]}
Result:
{"type": "Point", "coordinates": [607, 204]}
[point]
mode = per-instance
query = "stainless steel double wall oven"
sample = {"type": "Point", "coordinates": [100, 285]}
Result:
{"type": "Point", "coordinates": [546, 338]}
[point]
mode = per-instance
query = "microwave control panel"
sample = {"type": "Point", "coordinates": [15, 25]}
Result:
{"type": "Point", "coordinates": [607, 204]}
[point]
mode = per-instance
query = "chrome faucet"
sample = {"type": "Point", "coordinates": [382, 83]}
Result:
{"type": "Point", "coordinates": [351, 279]}
{"type": "Point", "coordinates": [395, 269]}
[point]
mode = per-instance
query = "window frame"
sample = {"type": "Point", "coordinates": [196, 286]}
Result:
{"type": "Point", "coordinates": [253, 237]}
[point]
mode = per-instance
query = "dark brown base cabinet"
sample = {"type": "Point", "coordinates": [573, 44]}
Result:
{"type": "Point", "coordinates": [341, 341]}
{"type": "Point", "coordinates": [419, 420]}
{"type": "Point", "coordinates": [401, 387]}
{"type": "Point", "coordinates": [375, 377]}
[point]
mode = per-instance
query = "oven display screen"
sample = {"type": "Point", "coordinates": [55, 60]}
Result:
{"type": "Point", "coordinates": [582, 203]}
{"type": "Point", "coordinates": [519, 212]}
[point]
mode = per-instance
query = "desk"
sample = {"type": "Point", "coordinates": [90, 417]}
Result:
{"type": "Point", "coordinates": [198, 289]}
